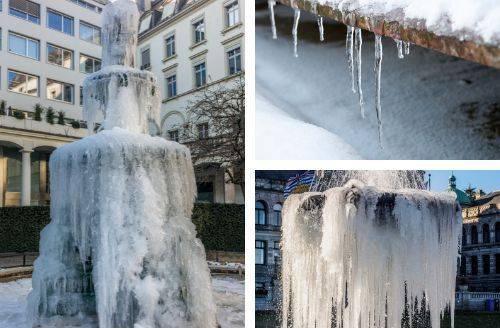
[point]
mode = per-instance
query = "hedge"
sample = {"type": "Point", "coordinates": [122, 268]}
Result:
{"type": "Point", "coordinates": [221, 227]}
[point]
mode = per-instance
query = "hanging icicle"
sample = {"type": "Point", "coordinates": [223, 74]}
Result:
{"type": "Point", "coordinates": [407, 48]}
{"type": "Point", "coordinates": [271, 4]}
{"type": "Point", "coordinates": [296, 18]}
{"type": "Point", "coordinates": [349, 40]}
{"type": "Point", "coordinates": [378, 67]}
{"type": "Point", "coordinates": [399, 45]}
{"type": "Point", "coordinates": [358, 42]}
{"type": "Point", "coordinates": [321, 29]}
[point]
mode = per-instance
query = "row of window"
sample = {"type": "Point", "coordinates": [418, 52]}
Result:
{"type": "Point", "coordinates": [201, 128]}
{"type": "Point", "coordinates": [261, 250]}
{"type": "Point", "coordinates": [474, 265]}
{"type": "Point", "coordinates": [29, 84]}
{"type": "Point", "coordinates": [200, 72]}
{"type": "Point", "coordinates": [30, 11]}
{"type": "Point", "coordinates": [262, 217]}
{"type": "Point", "coordinates": [486, 234]}
{"type": "Point", "coordinates": [56, 55]}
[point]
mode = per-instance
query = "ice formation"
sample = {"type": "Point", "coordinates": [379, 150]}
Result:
{"type": "Point", "coordinates": [378, 71]}
{"type": "Point", "coordinates": [399, 45]}
{"type": "Point", "coordinates": [358, 42]}
{"type": "Point", "coordinates": [358, 256]}
{"type": "Point", "coordinates": [271, 4]}
{"type": "Point", "coordinates": [296, 18]}
{"type": "Point", "coordinates": [350, 54]}
{"type": "Point", "coordinates": [407, 48]}
{"type": "Point", "coordinates": [321, 29]}
{"type": "Point", "coordinates": [121, 250]}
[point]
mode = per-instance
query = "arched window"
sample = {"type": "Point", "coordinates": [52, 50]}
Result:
{"type": "Point", "coordinates": [473, 235]}
{"type": "Point", "coordinates": [275, 219]}
{"type": "Point", "coordinates": [260, 212]}
{"type": "Point", "coordinates": [463, 266]}
{"type": "Point", "coordinates": [474, 265]}
{"type": "Point", "coordinates": [497, 232]}
{"type": "Point", "coordinates": [486, 233]}
{"type": "Point", "coordinates": [486, 264]}
{"type": "Point", "coordinates": [464, 236]}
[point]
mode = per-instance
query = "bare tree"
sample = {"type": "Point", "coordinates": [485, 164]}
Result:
{"type": "Point", "coordinates": [222, 106]}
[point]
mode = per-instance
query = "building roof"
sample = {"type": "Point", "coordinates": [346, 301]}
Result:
{"type": "Point", "coordinates": [491, 198]}
{"type": "Point", "coordinates": [462, 197]}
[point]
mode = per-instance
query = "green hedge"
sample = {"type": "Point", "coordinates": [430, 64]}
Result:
{"type": "Point", "coordinates": [221, 227]}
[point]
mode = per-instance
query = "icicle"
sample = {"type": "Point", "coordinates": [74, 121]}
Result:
{"type": "Point", "coordinates": [321, 29]}
{"type": "Point", "coordinates": [358, 43]}
{"type": "Point", "coordinates": [407, 48]}
{"type": "Point", "coordinates": [399, 44]}
{"type": "Point", "coordinates": [349, 52]}
{"type": "Point", "coordinates": [271, 4]}
{"type": "Point", "coordinates": [378, 66]}
{"type": "Point", "coordinates": [296, 18]}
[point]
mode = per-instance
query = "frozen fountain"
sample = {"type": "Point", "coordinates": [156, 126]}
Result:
{"type": "Point", "coordinates": [121, 250]}
{"type": "Point", "coordinates": [362, 254]}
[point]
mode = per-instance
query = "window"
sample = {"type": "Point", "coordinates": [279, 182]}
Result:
{"type": "Point", "coordinates": [23, 83]}
{"type": "Point", "coordinates": [260, 212]}
{"type": "Point", "coordinates": [89, 64]}
{"type": "Point", "coordinates": [464, 236]}
{"type": "Point", "coordinates": [25, 9]}
{"type": "Point", "coordinates": [275, 219]}
{"type": "Point", "coordinates": [90, 33]}
{"type": "Point", "coordinates": [474, 265]}
{"type": "Point", "coordinates": [202, 131]}
{"type": "Point", "coordinates": [486, 264]}
{"type": "Point", "coordinates": [232, 14]}
{"type": "Point", "coordinates": [497, 263]}
{"type": "Point", "coordinates": [200, 75]}
{"type": "Point", "coordinates": [60, 22]}
{"type": "Point", "coordinates": [24, 46]}
{"type": "Point", "coordinates": [171, 86]}
{"type": "Point", "coordinates": [59, 91]}
{"type": "Point", "coordinates": [260, 252]}
{"type": "Point", "coordinates": [59, 56]}
{"type": "Point", "coordinates": [277, 245]}
{"type": "Point", "coordinates": [199, 31]}
{"type": "Point", "coordinates": [87, 5]}
{"type": "Point", "coordinates": [473, 235]}
{"type": "Point", "coordinates": [234, 58]}
{"type": "Point", "coordinates": [260, 289]}
{"type": "Point", "coordinates": [173, 135]}
{"type": "Point", "coordinates": [81, 96]}
{"type": "Point", "coordinates": [486, 233]}
{"type": "Point", "coordinates": [170, 44]}
{"type": "Point", "coordinates": [463, 266]}
{"type": "Point", "coordinates": [497, 232]}
{"type": "Point", "coordinates": [145, 59]}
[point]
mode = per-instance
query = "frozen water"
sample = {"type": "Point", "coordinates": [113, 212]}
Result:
{"type": "Point", "coordinates": [121, 250]}
{"type": "Point", "coordinates": [353, 254]}
{"type": "Point", "coordinates": [271, 4]}
{"type": "Point", "coordinates": [358, 42]}
{"type": "Point", "coordinates": [321, 29]}
{"type": "Point", "coordinates": [378, 72]}
{"type": "Point", "coordinates": [399, 45]}
{"type": "Point", "coordinates": [229, 296]}
{"type": "Point", "coordinates": [295, 28]}
{"type": "Point", "coordinates": [350, 54]}
{"type": "Point", "coordinates": [407, 48]}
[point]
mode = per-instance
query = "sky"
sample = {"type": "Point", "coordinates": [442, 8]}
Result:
{"type": "Point", "coordinates": [488, 181]}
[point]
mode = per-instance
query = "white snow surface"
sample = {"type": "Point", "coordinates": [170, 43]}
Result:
{"type": "Point", "coordinates": [480, 17]}
{"type": "Point", "coordinates": [434, 106]}
{"type": "Point", "coordinates": [229, 295]}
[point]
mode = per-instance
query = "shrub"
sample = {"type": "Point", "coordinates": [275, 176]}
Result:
{"type": "Point", "coordinates": [19, 115]}
{"type": "Point", "coordinates": [75, 124]}
{"type": "Point", "coordinates": [60, 117]}
{"type": "Point", "coordinates": [2, 108]}
{"type": "Point", "coordinates": [49, 116]}
{"type": "Point", "coordinates": [38, 112]}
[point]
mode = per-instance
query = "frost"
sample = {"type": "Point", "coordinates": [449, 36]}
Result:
{"type": "Point", "coordinates": [271, 4]}
{"type": "Point", "coordinates": [121, 250]}
{"type": "Point", "coordinates": [350, 54]}
{"type": "Point", "coordinates": [296, 18]}
{"type": "Point", "coordinates": [378, 71]}
{"type": "Point", "coordinates": [321, 29]}
{"type": "Point", "coordinates": [356, 255]}
{"type": "Point", "coordinates": [399, 45]}
{"type": "Point", "coordinates": [358, 42]}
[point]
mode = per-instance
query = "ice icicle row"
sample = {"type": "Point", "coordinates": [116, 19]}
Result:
{"type": "Point", "coordinates": [271, 4]}
{"type": "Point", "coordinates": [378, 68]}
{"type": "Point", "coordinates": [407, 48]}
{"type": "Point", "coordinates": [296, 18]}
{"type": "Point", "coordinates": [358, 44]}
{"type": "Point", "coordinates": [321, 29]}
{"type": "Point", "coordinates": [350, 54]}
{"type": "Point", "coordinates": [399, 45]}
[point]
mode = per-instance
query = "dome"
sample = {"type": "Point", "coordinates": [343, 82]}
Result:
{"type": "Point", "coordinates": [462, 197]}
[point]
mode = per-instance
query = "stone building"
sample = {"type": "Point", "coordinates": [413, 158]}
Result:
{"type": "Point", "coordinates": [479, 269]}
{"type": "Point", "coordinates": [190, 46]}
{"type": "Point", "coordinates": [47, 49]}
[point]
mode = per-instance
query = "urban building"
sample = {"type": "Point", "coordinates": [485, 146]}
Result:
{"type": "Point", "coordinates": [47, 48]}
{"type": "Point", "coordinates": [191, 46]}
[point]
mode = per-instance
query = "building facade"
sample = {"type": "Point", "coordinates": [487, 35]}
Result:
{"type": "Point", "coordinates": [191, 46]}
{"type": "Point", "coordinates": [47, 48]}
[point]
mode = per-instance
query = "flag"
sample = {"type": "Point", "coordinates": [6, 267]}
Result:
{"type": "Point", "coordinates": [299, 183]}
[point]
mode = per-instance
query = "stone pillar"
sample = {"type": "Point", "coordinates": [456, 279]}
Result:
{"type": "Point", "coordinates": [26, 177]}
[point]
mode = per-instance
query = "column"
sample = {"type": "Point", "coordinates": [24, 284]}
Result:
{"type": "Point", "coordinates": [26, 177]}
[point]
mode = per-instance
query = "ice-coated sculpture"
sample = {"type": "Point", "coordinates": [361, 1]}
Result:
{"type": "Point", "coordinates": [121, 250]}
{"type": "Point", "coordinates": [359, 256]}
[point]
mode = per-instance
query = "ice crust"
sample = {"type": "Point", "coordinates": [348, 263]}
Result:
{"type": "Point", "coordinates": [352, 253]}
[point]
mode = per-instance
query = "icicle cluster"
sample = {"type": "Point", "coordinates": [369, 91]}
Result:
{"type": "Point", "coordinates": [271, 4]}
{"type": "Point", "coordinates": [358, 42]}
{"type": "Point", "coordinates": [321, 29]}
{"type": "Point", "coordinates": [350, 54]}
{"type": "Point", "coordinates": [355, 256]}
{"type": "Point", "coordinates": [296, 18]}
{"type": "Point", "coordinates": [378, 69]}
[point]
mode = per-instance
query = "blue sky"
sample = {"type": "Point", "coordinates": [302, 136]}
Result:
{"type": "Point", "coordinates": [487, 180]}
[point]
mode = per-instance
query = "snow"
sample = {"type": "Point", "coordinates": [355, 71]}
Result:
{"type": "Point", "coordinates": [478, 17]}
{"type": "Point", "coordinates": [280, 136]}
{"type": "Point", "coordinates": [228, 294]}
{"type": "Point", "coordinates": [355, 256]}
{"type": "Point", "coordinates": [435, 106]}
